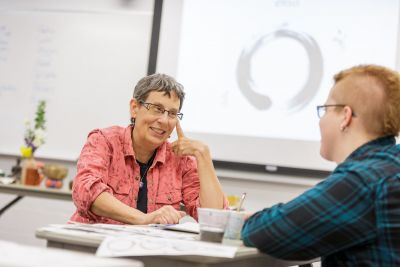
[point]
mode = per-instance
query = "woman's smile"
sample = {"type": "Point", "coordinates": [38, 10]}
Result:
{"type": "Point", "coordinates": [157, 131]}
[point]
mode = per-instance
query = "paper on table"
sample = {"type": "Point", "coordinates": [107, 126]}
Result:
{"type": "Point", "coordinates": [62, 230]}
{"type": "Point", "coordinates": [190, 227]}
{"type": "Point", "coordinates": [148, 231]}
{"type": "Point", "coordinates": [139, 245]}
{"type": "Point", "coordinates": [112, 229]}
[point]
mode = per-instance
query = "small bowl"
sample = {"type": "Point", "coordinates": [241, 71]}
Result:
{"type": "Point", "coordinates": [54, 171]}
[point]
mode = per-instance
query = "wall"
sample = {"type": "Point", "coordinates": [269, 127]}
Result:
{"type": "Point", "coordinates": [75, 55]}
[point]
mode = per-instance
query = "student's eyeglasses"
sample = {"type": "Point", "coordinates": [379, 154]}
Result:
{"type": "Point", "coordinates": [158, 110]}
{"type": "Point", "coordinates": [321, 110]}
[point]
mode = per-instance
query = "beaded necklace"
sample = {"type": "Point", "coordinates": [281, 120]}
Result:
{"type": "Point", "coordinates": [149, 163]}
{"type": "Point", "coordinates": [144, 174]}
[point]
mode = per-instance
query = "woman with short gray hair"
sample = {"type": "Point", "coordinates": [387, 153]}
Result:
{"type": "Point", "coordinates": [134, 175]}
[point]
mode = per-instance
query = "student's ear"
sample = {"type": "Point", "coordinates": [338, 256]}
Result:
{"type": "Point", "coordinates": [347, 116]}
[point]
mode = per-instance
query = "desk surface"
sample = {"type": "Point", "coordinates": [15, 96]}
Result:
{"type": "Point", "coordinates": [245, 256]}
{"type": "Point", "coordinates": [36, 191]}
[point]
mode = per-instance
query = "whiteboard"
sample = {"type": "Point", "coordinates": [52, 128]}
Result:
{"type": "Point", "coordinates": [254, 71]}
{"type": "Point", "coordinates": [84, 63]}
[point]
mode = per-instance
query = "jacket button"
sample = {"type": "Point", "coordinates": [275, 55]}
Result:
{"type": "Point", "coordinates": [137, 178]}
{"type": "Point", "coordinates": [169, 198]}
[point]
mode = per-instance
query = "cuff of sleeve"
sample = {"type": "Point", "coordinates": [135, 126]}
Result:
{"type": "Point", "coordinates": [91, 193]}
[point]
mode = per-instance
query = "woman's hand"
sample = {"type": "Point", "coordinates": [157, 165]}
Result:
{"type": "Point", "coordinates": [211, 195]}
{"type": "Point", "coordinates": [187, 146]}
{"type": "Point", "coordinates": [165, 215]}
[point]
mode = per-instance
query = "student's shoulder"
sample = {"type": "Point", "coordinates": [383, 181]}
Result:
{"type": "Point", "coordinates": [368, 170]}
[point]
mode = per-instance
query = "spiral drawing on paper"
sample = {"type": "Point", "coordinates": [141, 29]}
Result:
{"type": "Point", "coordinates": [118, 245]}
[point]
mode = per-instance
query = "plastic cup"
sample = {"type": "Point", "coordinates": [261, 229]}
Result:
{"type": "Point", "coordinates": [212, 224]}
{"type": "Point", "coordinates": [234, 225]}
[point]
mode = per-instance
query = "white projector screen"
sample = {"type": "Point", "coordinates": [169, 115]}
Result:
{"type": "Point", "coordinates": [254, 71]}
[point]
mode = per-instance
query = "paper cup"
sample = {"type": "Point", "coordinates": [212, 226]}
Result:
{"type": "Point", "coordinates": [234, 225]}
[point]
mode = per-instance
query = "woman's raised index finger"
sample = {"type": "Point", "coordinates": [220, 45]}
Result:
{"type": "Point", "coordinates": [179, 130]}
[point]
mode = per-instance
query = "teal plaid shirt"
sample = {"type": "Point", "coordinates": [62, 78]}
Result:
{"type": "Point", "coordinates": [352, 218]}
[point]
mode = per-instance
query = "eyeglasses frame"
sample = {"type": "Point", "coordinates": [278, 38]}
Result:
{"type": "Point", "coordinates": [147, 106]}
{"type": "Point", "coordinates": [332, 105]}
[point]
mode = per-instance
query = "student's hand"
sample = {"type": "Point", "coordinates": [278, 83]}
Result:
{"type": "Point", "coordinates": [187, 146]}
{"type": "Point", "coordinates": [165, 215]}
{"type": "Point", "coordinates": [248, 215]}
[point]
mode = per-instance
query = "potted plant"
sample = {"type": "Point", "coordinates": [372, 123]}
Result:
{"type": "Point", "coordinates": [34, 137]}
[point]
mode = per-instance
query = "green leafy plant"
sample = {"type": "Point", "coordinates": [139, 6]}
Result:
{"type": "Point", "coordinates": [35, 137]}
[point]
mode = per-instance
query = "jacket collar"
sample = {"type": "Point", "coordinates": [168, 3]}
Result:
{"type": "Point", "coordinates": [161, 153]}
{"type": "Point", "coordinates": [377, 143]}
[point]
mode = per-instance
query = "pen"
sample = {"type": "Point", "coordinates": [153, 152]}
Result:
{"type": "Point", "coordinates": [241, 201]}
{"type": "Point", "coordinates": [158, 225]}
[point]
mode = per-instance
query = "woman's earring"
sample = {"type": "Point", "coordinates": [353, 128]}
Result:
{"type": "Point", "coordinates": [132, 121]}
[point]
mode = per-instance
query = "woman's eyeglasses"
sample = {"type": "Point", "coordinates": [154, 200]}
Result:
{"type": "Point", "coordinates": [158, 110]}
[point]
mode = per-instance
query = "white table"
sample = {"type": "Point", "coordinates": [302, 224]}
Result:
{"type": "Point", "coordinates": [28, 256]}
{"type": "Point", "coordinates": [245, 256]}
